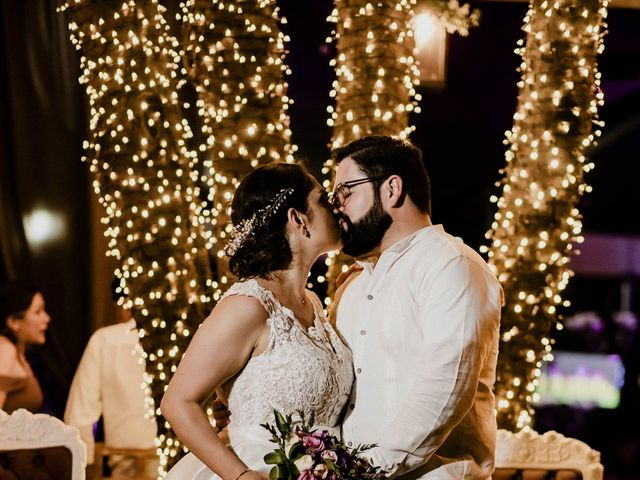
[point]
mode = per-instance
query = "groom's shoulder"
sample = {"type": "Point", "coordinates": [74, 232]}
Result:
{"type": "Point", "coordinates": [442, 249]}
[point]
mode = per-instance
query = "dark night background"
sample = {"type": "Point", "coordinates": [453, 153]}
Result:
{"type": "Point", "coordinates": [460, 129]}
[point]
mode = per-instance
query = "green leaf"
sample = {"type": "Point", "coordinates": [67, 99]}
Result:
{"type": "Point", "coordinates": [273, 474]}
{"type": "Point", "coordinates": [275, 458]}
{"type": "Point", "coordinates": [293, 470]}
{"type": "Point", "coordinates": [282, 424]}
{"type": "Point", "coordinates": [282, 473]}
{"type": "Point", "coordinates": [296, 451]}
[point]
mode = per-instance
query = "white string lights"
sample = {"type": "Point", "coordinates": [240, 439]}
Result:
{"type": "Point", "coordinates": [234, 54]}
{"type": "Point", "coordinates": [376, 71]}
{"type": "Point", "coordinates": [141, 167]}
{"type": "Point", "coordinates": [537, 218]}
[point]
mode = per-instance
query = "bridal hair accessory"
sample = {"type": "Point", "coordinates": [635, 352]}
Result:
{"type": "Point", "coordinates": [245, 228]}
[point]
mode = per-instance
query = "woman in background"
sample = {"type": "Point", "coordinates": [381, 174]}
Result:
{"type": "Point", "coordinates": [23, 322]}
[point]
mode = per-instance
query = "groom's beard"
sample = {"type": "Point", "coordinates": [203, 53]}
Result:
{"type": "Point", "coordinates": [366, 234]}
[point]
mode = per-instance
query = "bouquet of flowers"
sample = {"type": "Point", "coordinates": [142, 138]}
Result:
{"type": "Point", "coordinates": [306, 454]}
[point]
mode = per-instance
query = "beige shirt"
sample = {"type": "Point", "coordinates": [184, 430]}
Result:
{"type": "Point", "coordinates": [109, 382]}
{"type": "Point", "coordinates": [423, 326]}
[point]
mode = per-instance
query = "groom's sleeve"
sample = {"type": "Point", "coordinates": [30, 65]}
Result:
{"type": "Point", "coordinates": [458, 319]}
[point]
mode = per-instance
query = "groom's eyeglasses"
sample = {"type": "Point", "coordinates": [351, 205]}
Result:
{"type": "Point", "coordinates": [342, 191]}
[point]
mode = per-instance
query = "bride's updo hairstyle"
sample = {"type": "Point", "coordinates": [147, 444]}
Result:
{"type": "Point", "coordinates": [267, 249]}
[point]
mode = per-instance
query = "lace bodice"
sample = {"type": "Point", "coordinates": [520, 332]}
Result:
{"type": "Point", "coordinates": [309, 370]}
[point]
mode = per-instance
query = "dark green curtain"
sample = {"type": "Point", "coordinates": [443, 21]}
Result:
{"type": "Point", "coordinates": [41, 131]}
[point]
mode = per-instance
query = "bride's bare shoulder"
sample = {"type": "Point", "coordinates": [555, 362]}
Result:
{"type": "Point", "coordinates": [241, 309]}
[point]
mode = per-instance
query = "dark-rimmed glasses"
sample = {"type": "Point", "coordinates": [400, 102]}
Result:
{"type": "Point", "coordinates": [342, 191]}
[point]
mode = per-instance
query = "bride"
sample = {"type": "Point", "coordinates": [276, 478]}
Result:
{"type": "Point", "coordinates": [266, 344]}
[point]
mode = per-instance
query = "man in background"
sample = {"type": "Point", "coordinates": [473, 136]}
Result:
{"type": "Point", "coordinates": [108, 383]}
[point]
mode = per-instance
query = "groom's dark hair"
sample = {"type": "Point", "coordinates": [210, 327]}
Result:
{"type": "Point", "coordinates": [383, 156]}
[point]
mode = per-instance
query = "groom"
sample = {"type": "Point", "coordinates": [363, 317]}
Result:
{"type": "Point", "coordinates": [421, 318]}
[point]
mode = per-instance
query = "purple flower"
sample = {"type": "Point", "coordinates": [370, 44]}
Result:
{"type": "Point", "coordinates": [344, 458]}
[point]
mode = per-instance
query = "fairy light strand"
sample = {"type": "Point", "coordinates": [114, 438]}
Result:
{"type": "Point", "coordinates": [141, 167]}
{"type": "Point", "coordinates": [234, 55]}
{"type": "Point", "coordinates": [537, 218]}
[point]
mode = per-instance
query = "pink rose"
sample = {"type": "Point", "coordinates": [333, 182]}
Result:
{"type": "Point", "coordinates": [313, 442]}
{"type": "Point", "coordinates": [306, 475]}
{"type": "Point", "coordinates": [321, 471]}
{"type": "Point", "coordinates": [329, 455]}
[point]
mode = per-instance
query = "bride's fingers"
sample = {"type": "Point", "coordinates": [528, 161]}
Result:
{"type": "Point", "coordinates": [221, 416]}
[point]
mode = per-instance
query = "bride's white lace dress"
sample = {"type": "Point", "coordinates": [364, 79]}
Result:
{"type": "Point", "coordinates": [302, 369]}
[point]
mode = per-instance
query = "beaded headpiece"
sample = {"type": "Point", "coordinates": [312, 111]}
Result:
{"type": "Point", "coordinates": [245, 228]}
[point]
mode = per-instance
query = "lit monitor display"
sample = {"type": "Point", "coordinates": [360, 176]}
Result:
{"type": "Point", "coordinates": [586, 380]}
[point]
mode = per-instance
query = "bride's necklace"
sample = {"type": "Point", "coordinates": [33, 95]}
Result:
{"type": "Point", "coordinates": [302, 298]}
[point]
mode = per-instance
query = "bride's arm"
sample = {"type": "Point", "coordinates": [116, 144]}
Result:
{"type": "Point", "coordinates": [222, 345]}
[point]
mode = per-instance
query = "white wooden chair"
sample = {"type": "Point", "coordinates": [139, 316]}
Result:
{"type": "Point", "coordinates": [552, 451]}
{"type": "Point", "coordinates": [33, 443]}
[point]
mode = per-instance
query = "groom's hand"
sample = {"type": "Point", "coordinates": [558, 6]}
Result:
{"type": "Point", "coordinates": [353, 268]}
{"type": "Point", "coordinates": [221, 414]}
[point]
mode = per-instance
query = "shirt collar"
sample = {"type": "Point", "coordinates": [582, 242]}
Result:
{"type": "Point", "coordinates": [401, 246]}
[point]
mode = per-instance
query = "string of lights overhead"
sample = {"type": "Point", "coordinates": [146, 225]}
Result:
{"type": "Point", "coordinates": [537, 220]}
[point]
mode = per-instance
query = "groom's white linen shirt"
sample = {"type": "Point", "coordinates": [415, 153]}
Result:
{"type": "Point", "coordinates": [423, 326]}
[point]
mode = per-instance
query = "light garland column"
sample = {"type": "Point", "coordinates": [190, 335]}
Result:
{"type": "Point", "coordinates": [376, 71]}
{"type": "Point", "coordinates": [234, 54]}
{"type": "Point", "coordinates": [537, 218]}
{"type": "Point", "coordinates": [141, 168]}
{"type": "Point", "coordinates": [376, 79]}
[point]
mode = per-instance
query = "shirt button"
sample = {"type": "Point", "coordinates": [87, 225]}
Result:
{"type": "Point", "coordinates": [363, 332]}
{"type": "Point", "coordinates": [370, 297]}
{"type": "Point", "coordinates": [359, 370]}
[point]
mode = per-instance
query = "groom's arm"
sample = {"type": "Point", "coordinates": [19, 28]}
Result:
{"type": "Point", "coordinates": [459, 312]}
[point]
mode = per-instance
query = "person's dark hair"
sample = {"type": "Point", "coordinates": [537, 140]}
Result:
{"type": "Point", "coordinates": [383, 156]}
{"type": "Point", "coordinates": [15, 299]}
{"type": "Point", "coordinates": [267, 248]}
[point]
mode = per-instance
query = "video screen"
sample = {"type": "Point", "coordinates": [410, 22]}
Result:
{"type": "Point", "coordinates": [585, 380]}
